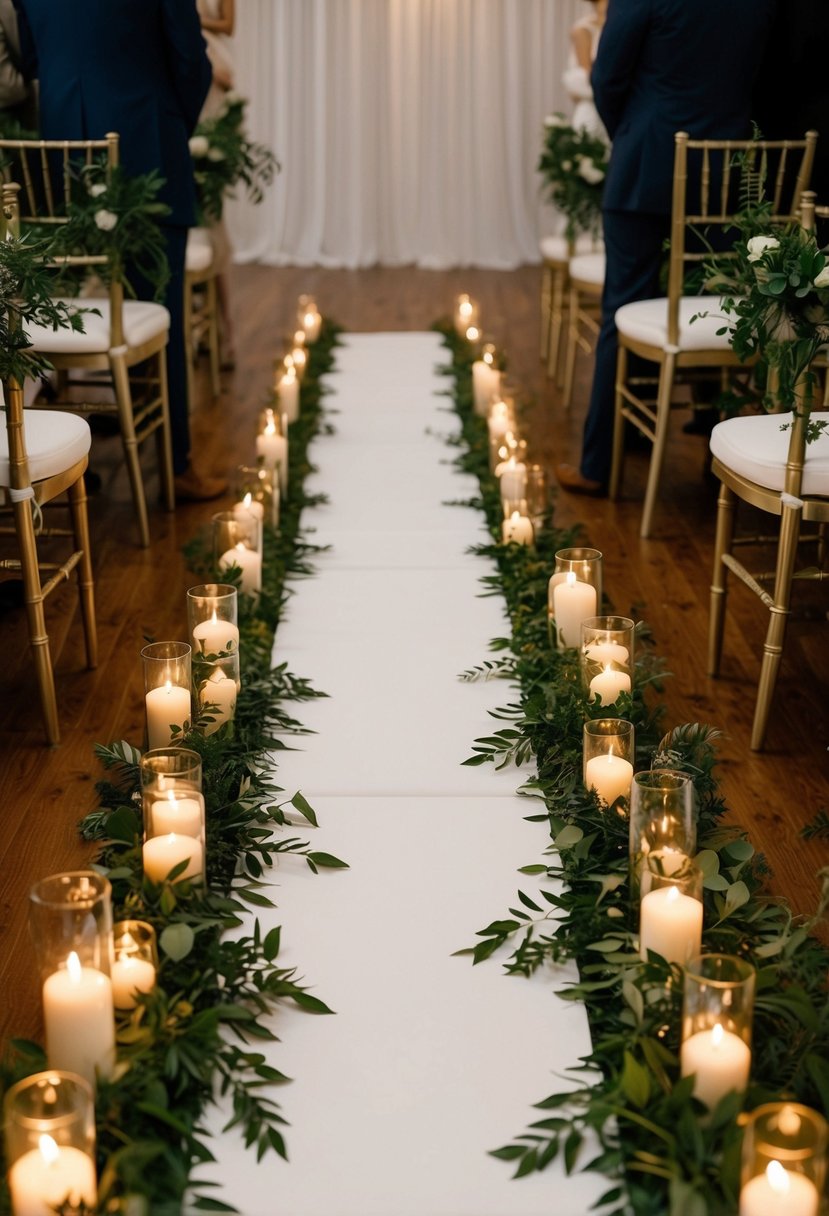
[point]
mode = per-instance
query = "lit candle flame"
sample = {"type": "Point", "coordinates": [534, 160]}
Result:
{"type": "Point", "coordinates": [570, 578]}
{"type": "Point", "coordinates": [673, 895]}
{"type": "Point", "coordinates": [73, 966]}
{"type": "Point", "coordinates": [127, 946]}
{"type": "Point", "coordinates": [516, 515]}
{"type": "Point", "coordinates": [717, 1035]}
{"type": "Point", "coordinates": [778, 1178]}
{"type": "Point", "coordinates": [270, 429]}
{"type": "Point", "coordinates": [246, 501]}
{"type": "Point", "coordinates": [309, 319]}
{"type": "Point", "coordinates": [473, 333]}
{"type": "Point", "coordinates": [299, 337]}
{"type": "Point", "coordinates": [48, 1149]}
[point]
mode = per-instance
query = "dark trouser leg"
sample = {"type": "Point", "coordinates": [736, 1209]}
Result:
{"type": "Point", "coordinates": [633, 247]}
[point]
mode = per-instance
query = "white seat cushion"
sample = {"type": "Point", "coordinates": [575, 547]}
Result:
{"type": "Point", "coordinates": [756, 448]}
{"type": "Point", "coordinates": [199, 251]}
{"type": "Point", "coordinates": [647, 321]}
{"type": "Point", "coordinates": [143, 321]}
{"type": "Point", "coordinates": [54, 442]}
{"type": "Point", "coordinates": [556, 248]}
{"type": "Point", "coordinates": [588, 268]}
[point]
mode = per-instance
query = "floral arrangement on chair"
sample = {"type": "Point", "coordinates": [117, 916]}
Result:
{"type": "Point", "coordinates": [223, 156]}
{"type": "Point", "coordinates": [573, 164]}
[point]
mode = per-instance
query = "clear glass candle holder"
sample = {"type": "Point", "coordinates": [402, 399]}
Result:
{"type": "Point", "coordinates": [70, 916]}
{"type": "Point", "coordinates": [538, 496]}
{"type": "Point", "coordinates": [287, 388]}
{"type": "Point", "coordinates": [784, 1161]}
{"type": "Point", "coordinates": [167, 680]}
{"type": "Point", "coordinates": [272, 445]}
{"type": "Point", "coordinates": [670, 910]}
{"type": "Point", "coordinates": [174, 815]}
{"type": "Point", "coordinates": [136, 962]}
{"type": "Point", "coordinates": [486, 379]}
{"type": "Point", "coordinates": [261, 483]}
{"type": "Point", "coordinates": [512, 478]}
{"type": "Point", "coordinates": [500, 424]}
{"type": "Point", "coordinates": [466, 314]}
{"type": "Point", "coordinates": [309, 318]}
{"type": "Point", "coordinates": [247, 507]}
{"type": "Point", "coordinates": [717, 1014]}
{"type": "Point", "coordinates": [607, 657]}
{"type": "Point", "coordinates": [516, 527]}
{"type": "Point", "coordinates": [49, 1121]}
{"type": "Point", "coordinates": [608, 757]}
{"type": "Point", "coordinates": [236, 547]}
{"type": "Point", "coordinates": [574, 594]}
{"type": "Point", "coordinates": [663, 816]}
{"type": "Point", "coordinates": [212, 620]}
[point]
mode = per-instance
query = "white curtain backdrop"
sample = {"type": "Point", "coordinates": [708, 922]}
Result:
{"type": "Point", "coordinates": [408, 130]}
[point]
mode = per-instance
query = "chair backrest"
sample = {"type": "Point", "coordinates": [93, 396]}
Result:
{"type": "Point", "coordinates": [47, 170]}
{"type": "Point", "coordinates": [707, 191]}
{"type": "Point", "coordinates": [12, 390]}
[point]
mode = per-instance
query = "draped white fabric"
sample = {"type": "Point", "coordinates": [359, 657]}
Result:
{"type": "Point", "coordinates": [408, 130]}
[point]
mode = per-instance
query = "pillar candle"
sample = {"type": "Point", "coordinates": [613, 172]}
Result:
{"type": "Point", "coordinates": [249, 562]}
{"type": "Point", "coordinates": [79, 1019]}
{"type": "Point", "coordinates": [779, 1192]}
{"type": "Point", "coordinates": [608, 684]}
{"type": "Point", "coordinates": [670, 924]}
{"type": "Point", "coordinates": [720, 1060]}
{"type": "Point", "coordinates": [573, 602]}
{"type": "Point", "coordinates": [610, 776]}
{"type": "Point", "coordinates": [287, 392]}
{"type": "Point", "coordinates": [131, 975]}
{"type": "Point", "coordinates": [49, 1175]}
{"type": "Point", "coordinates": [312, 323]}
{"type": "Point", "coordinates": [486, 380]}
{"type": "Point", "coordinates": [161, 853]}
{"type": "Point", "coordinates": [513, 480]}
{"type": "Point", "coordinates": [299, 355]}
{"type": "Point", "coordinates": [220, 691]}
{"type": "Point", "coordinates": [177, 813]}
{"type": "Point", "coordinates": [166, 706]}
{"type": "Point", "coordinates": [272, 448]}
{"type": "Point", "coordinates": [215, 636]}
{"type": "Point", "coordinates": [518, 529]}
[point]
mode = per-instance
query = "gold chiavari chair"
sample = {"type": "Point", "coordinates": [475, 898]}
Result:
{"type": "Point", "coordinates": [124, 334]}
{"type": "Point", "coordinates": [556, 254]}
{"type": "Point", "coordinates": [660, 330]}
{"type": "Point", "coordinates": [776, 471]}
{"type": "Point", "coordinates": [201, 323]}
{"type": "Point", "coordinates": [587, 271]}
{"type": "Point", "coordinates": [43, 454]}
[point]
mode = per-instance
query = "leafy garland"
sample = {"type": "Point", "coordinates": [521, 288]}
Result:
{"type": "Point", "coordinates": [658, 1154]}
{"type": "Point", "coordinates": [223, 156]}
{"type": "Point", "coordinates": [573, 164]}
{"type": "Point", "coordinates": [197, 1031]}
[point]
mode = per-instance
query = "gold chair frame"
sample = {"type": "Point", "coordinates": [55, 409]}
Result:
{"type": "Point", "coordinates": [19, 496]}
{"type": "Point", "coordinates": [555, 284]}
{"type": "Point", "coordinates": [138, 418]}
{"type": "Point", "coordinates": [651, 418]}
{"type": "Point", "coordinates": [199, 323]}
{"type": "Point", "coordinates": [584, 314]}
{"type": "Point", "coordinates": [793, 509]}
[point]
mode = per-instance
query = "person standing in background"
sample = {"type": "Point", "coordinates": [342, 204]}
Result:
{"type": "Point", "coordinates": [140, 68]}
{"type": "Point", "coordinates": [15, 94]}
{"type": "Point", "coordinates": [662, 66]}
{"type": "Point", "coordinates": [584, 42]}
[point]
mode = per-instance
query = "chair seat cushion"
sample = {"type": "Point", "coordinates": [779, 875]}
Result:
{"type": "Point", "coordinates": [588, 268]}
{"type": "Point", "coordinates": [199, 251]}
{"type": "Point", "coordinates": [647, 321]}
{"type": "Point", "coordinates": [54, 442]}
{"type": "Point", "coordinates": [756, 448]}
{"type": "Point", "coordinates": [143, 321]}
{"type": "Point", "coordinates": [557, 249]}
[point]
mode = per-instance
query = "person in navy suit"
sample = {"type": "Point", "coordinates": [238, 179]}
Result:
{"type": "Point", "coordinates": [138, 67]}
{"type": "Point", "coordinates": [662, 66]}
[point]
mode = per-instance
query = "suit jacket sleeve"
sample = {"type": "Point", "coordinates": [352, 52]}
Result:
{"type": "Point", "coordinates": [624, 32]}
{"type": "Point", "coordinates": [187, 58]}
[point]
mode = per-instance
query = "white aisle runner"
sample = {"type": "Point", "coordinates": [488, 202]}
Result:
{"type": "Point", "coordinates": [429, 1062]}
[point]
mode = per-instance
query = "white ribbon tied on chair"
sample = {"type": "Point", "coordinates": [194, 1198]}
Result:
{"type": "Point", "coordinates": [789, 500]}
{"type": "Point", "coordinates": [21, 496]}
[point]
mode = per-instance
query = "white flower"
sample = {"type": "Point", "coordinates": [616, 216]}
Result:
{"type": "Point", "coordinates": [215, 154]}
{"type": "Point", "coordinates": [97, 190]}
{"type": "Point", "coordinates": [106, 220]}
{"type": "Point", "coordinates": [589, 170]}
{"type": "Point", "coordinates": [758, 245]}
{"type": "Point", "coordinates": [199, 145]}
{"type": "Point", "coordinates": [232, 98]}
{"type": "Point", "coordinates": [822, 279]}
{"type": "Point", "coordinates": [567, 165]}
{"type": "Point", "coordinates": [556, 120]}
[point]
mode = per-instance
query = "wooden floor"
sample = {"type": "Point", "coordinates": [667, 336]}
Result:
{"type": "Point", "coordinates": [141, 594]}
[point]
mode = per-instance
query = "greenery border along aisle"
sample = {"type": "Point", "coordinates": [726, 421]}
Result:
{"type": "Point", "coordinates": [196, 1033]}
{"type": "Point", "coordinates": [630, 1107]}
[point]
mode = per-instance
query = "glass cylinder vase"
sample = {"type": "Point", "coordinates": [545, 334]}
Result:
{"type": "Point", "coordinates": [466, 314]}
{"type": "Point", "coordinates": [717, 1015]}
{"type": "Point", "coordinates": [167, 680]}
{"type": "Point", "coordinates": [136, 961]}
{"type": "Point", "coordinates": [516, 527]}
{"type": "Point", "coordinates": [670, 911]}
{"type": "Point", "coordinates": [259, 482]}
{"type": "Point", "coordinates": [174, 814]}
{"type": "Point", "coordinates": [49, 1121]}
{"type": "Point", "coordinates": [662, 817]}
{"type": "Point", "coordinates": [784, 1161]}
{"type": "Point", "coordinates": [538, 497]}
{"type": "Point", "coordinates": [272, 445]}
{"type": "Point", "coordinates": [309, 318]}
{"type": "Point", "coordinates": [486, 379]}
{"type": "Point", "coordinates": [236, 546]}
{"type": "Point", "coordinates": [574, 594]}
{"type": "Point", "coordinates": [608, 758]}
{"type": "Point", "coordinates": [607, 657]}
{"type": "Point", "coordinates": [71, 921]}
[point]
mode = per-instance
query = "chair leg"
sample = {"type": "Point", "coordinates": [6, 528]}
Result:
{"type": "Point", "coordinates": [38, 638]}
{"type": "Point", "coordinates": [189, 343]}
{"type": "Point", "coordinates": [86, 582]}
{"type": "Point", "coordinates": [778, 619]}
{"type": "Point", "coordinates": [164, 435]}
{"type": "Point", "coordinates": [558, 316]}
{"type": "Point", "coordinates": [572, 343]}
{"type": "Point", "coordinates": [546, 309]}
{"type": "Point", "coordinates": [123, 396]}
{"type": "Point", "coordinates": [663, 418]}
{"type": "Point", "coordinates": [618, 456]}
{"type": "Point", "coordinates": [212, 305]}
{"type": "Point", "coordinates": [723, 544]}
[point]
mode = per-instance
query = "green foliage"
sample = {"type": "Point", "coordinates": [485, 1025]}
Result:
{"type": "Point", "coordinates": [573, 164]}
{"type": "Point", "coordinates": [224, 157]}
{"type": "Point", "coordinates": [626, 1099]}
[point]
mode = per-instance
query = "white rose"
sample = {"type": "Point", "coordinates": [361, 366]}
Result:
{"type": "Point", "coordinates": [199, 145]}
{"type": "Point", "coordinates": [215, 154]}
{"type": "Point", "coordinates": [822, 279]}
{"type": "Point", "coordinates": [97, 190]}
{"type": "Point", "coordinates": [588, 170]}
{"type": "Point", "coordinates": [556, 120]}
{"type": "Point", "coordinates": [758, 245]}
{"type": "Point", "coordinates": [234, 99]}
{"type": "Point", "coordinates": [106, 220]}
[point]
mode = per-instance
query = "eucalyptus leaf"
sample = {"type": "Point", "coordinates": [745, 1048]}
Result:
{"type": "Point", "coordinates": [177, 941]}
